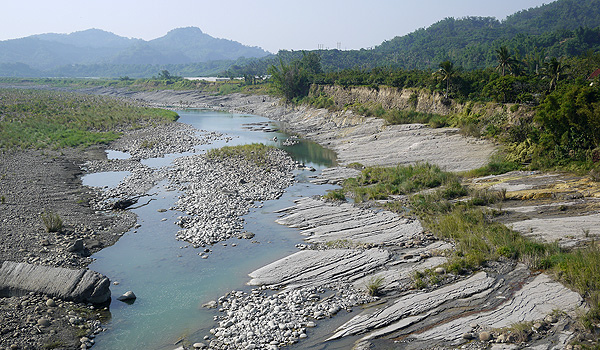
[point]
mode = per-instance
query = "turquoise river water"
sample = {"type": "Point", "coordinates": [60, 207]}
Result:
{"type": "Point", "coordinates": [172, 282]}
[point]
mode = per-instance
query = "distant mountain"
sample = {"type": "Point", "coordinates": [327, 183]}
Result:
{"type": "Point", "coordinates": [197, 46]}
{"type": "Point", "coordinates": [89, 38]}
{"type": "Point", "coordinates": [45, 53]}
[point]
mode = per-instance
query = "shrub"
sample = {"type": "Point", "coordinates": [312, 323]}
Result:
{"type": "Point", "coordinates": [335, 195]}
{"type": "Point", "coordinates": [52, 221]}
{"type": "Point", "coordinates": [375, 285]}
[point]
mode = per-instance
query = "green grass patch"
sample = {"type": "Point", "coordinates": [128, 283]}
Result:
{"type": "Point", "coordinates": [335, 196]}
{"type": "Point", "coordinates": [320, 101]}
{"type": "Point", "coordinates": [376, 183]}
{"type": "Point", "coordinates": [49, 119]}
{"type": "Point", "coordinates": [396, 116]}
{"type": "Point", "coordinates": [256, 152]}
{"type": "Point", "coordinates": [399, 116]}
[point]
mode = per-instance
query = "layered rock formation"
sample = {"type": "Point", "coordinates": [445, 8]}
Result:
{"type": "Point", "coordinates": [74, 285]}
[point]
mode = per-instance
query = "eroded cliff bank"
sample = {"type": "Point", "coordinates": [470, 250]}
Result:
{"type": "Point", "coordinates": [353, 137]}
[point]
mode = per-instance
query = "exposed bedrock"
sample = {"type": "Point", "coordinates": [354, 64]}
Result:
{"type": "Point", "coordinates": [326, 222]}
{"type": "Point", "coordinates": [485, 301]}
{"type": "Point", "coordinates": [82, 285]}
{"type": "Point", "coordinates": [319, 267]}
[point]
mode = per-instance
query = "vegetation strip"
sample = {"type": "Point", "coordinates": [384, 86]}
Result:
{"type": "Point", "coordinates": [47, 119]}
{"type": "Point", "coordinates": [456, 213]}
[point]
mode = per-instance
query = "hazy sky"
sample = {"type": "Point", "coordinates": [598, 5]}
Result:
{"type": "Point", "coordinates": [270, 24]}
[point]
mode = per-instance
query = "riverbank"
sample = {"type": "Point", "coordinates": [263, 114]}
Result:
{"type": "Point", "coordinates": [318, 283]}
{"type": "Point", "coordinates": [354, 138]}
{"type": "Point", "coordinates": [406, 318]}
{"type": "Point", "coordinates": [36, 182]}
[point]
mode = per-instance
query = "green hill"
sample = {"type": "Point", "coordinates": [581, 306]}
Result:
{"type": "Point", "coordinates": [562, 28]}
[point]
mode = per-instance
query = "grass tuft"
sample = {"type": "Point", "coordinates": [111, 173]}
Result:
{"type": "Point", "coordinates": [52, 221]}
{"type": "Point", "coordinates": [335, 196]}
{"type": "Point", "coordinates": [374, 286]}
{"type": "Point", "coordinates": [375, 183]}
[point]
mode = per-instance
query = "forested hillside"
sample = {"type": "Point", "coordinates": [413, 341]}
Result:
{"type": "Point", "coordinates": [563, 28]}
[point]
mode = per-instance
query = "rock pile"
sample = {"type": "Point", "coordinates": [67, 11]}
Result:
{"type": "Point", "coordinates": [156, 141]}
{"type": "Point", "coordinates": [36, 322]}
{"type": "Point", "coordinates": [217, 192]}
{"type": "Point", "coordinates": [263, 320]}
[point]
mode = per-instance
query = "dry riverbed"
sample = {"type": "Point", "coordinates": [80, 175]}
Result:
{"type": "Point", "coordinates": [35, 182]}
{"type": "Point", "coordinates": [32, 182]}
{"type": "Point", "coordinates": [348, 247]}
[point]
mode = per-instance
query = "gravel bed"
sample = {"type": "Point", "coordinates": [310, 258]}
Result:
{"type": "Point", "coordinates": [217, 192]}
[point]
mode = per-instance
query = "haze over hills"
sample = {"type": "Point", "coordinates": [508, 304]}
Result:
{"type": "Point", "coordinates": [46, 52]}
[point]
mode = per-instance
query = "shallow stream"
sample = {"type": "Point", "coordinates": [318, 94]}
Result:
{"type": "Point", "coordinates": [170, 279]}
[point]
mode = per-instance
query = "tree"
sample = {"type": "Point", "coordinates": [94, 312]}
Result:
{"type": "Point", "coordinates": [292, 80]}
{"type": "Point", "coordinates": [554, 70]}
{"type": "Point", "coordinates": [505, 60]}
{"type": "Point", "coordinates": [446, 73]}
{"type": "Point", "coordinates": [164, 75]}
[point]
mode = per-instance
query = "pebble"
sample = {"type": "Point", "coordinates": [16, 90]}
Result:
{"type": "Point", "coordinates": [271, 320]}
{"type": "Point", "coordinates": [50, 303]}
{"type": "Point", "coordinates": [43, 322]}
{"type": "Point", "coordinates": [214, 216]}
{"type": "Point", "coordinates": [485, 336]}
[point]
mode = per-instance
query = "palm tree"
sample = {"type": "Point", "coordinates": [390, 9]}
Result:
{"type": "Point", "coordinates": [554, 70]}
{"type": "Point", "coordinates": [505, 61]}
{"type": "Point", "coordinates": [446, 72]}
{"type": "Point", "coordinates": [534, 60]}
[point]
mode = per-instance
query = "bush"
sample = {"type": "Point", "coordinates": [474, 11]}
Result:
{"type": "Point", "coordinates": [52, 221]}
{"type": "Point", "coordinates": [335, 196]}
{"type": "Point", "coordinates": [395, 116]}
{"type": "Point", "coordinates": [374, 285]}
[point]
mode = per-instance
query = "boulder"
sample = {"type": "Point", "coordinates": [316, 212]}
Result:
{"type": "Point", "coordinates": [76, 246]}
{"type": "Point", "coordinates": [82, 285]}
{"type": "Point", "coordinates": [128, 296]}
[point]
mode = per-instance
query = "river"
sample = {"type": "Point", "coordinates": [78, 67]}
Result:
{"type": "Point", "coordinates": [170, 279]}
